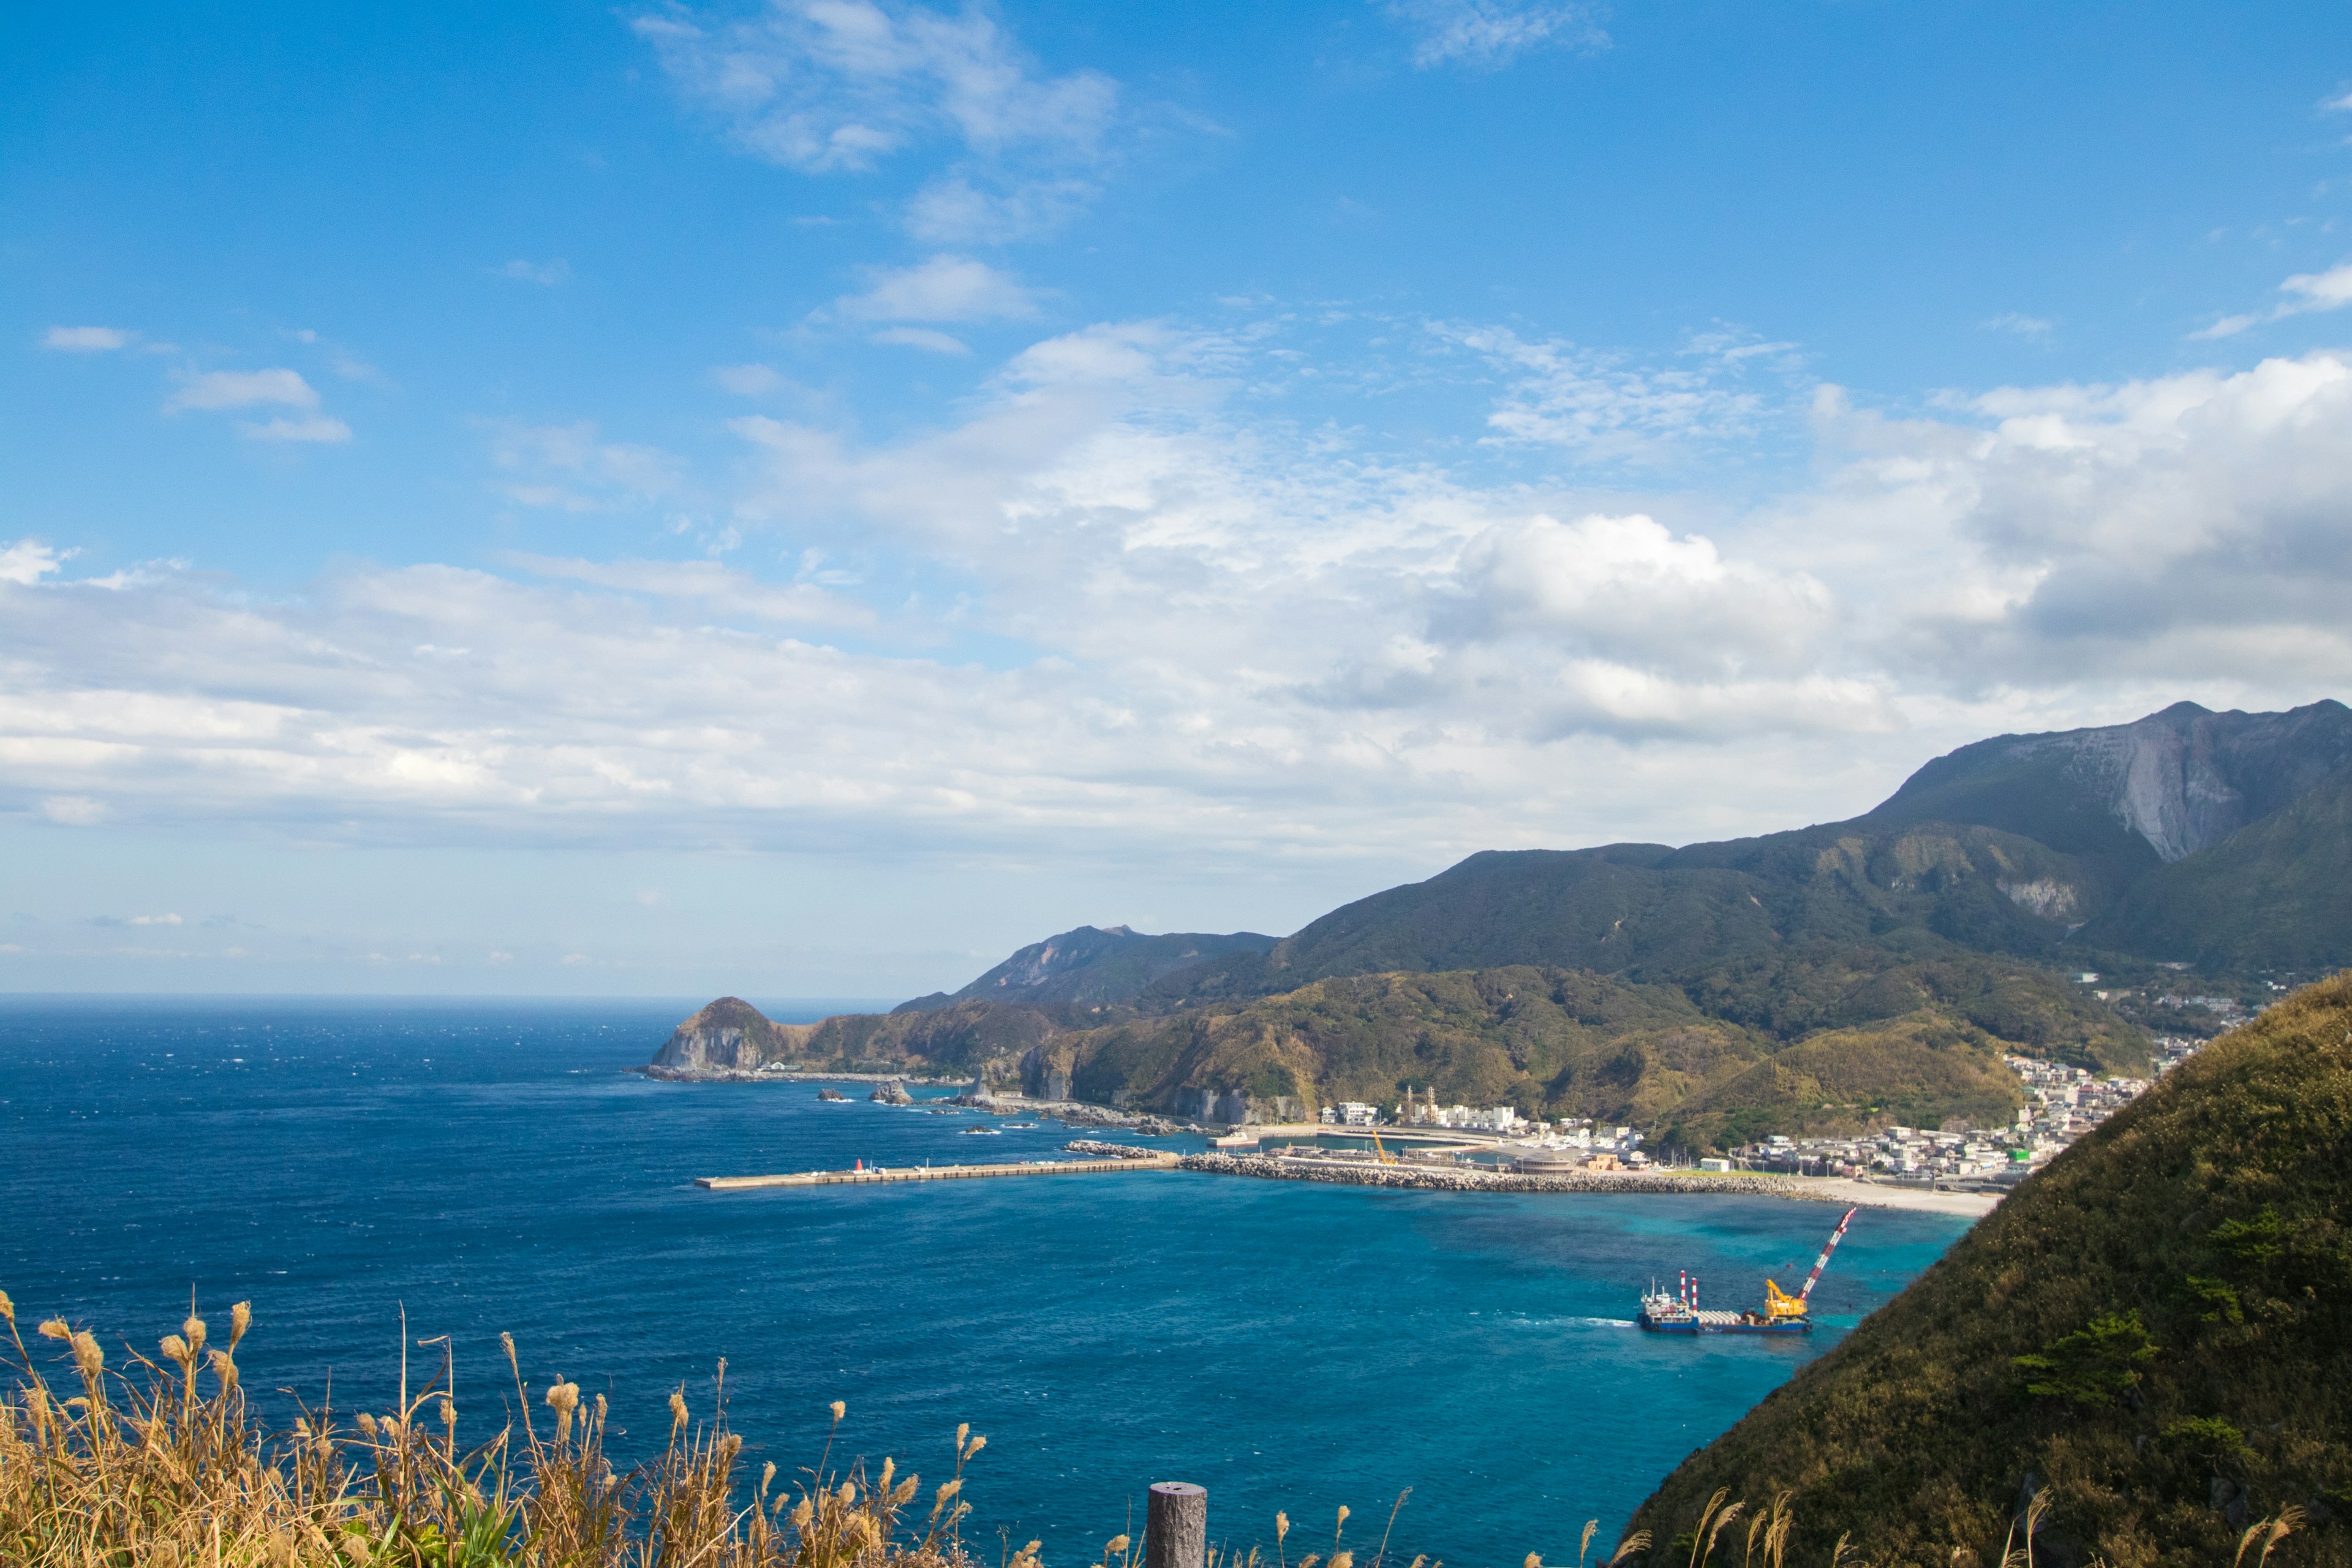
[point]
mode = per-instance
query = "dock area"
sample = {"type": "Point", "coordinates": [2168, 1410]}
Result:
{"type": "Point", "coordinates": [1154, 1160]}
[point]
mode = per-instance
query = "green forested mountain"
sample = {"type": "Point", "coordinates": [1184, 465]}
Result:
{"type": "Point", "coordinates": [1678, 917]}
{"type": "Point", "coordinates": [2158, 1330]}
{"type": "Point", "coordinates": [2276, 894]}
{"type": "Point", "coordinates": [1089, 966]}
{"type": "Point", "coordinates": [1873, 969]}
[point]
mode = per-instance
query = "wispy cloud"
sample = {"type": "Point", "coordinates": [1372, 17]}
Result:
{"type": "Point", "coordinates": [829, 86]}
{"type": "Point", "coordinates": [2306, 292]}
{"type": "Point", "coordinates": [222, 390]}
{"type": "Point", "coordinates": [723, 588]}
{"type": "Point", "coordinates": [311, 428]}
{"type": "Point", "coordinates": [74, 810]}
{"type": "Point", "coordinates": [88, 340]}
{"type": "Point", "coordinates": [2023, 326]}
{"type": "Point", "coordinates": [968, 206]}
{"type": "Point", "coordinates": [1613, 406]}
{"type": "Point", "coordinates": [571, 467]}
{"type": "Point", "coordinates": [943, 289]}
{"type": "Point", "coordinates": [928, 339]}
{"type": "Point", "coordinates": [747, 380]}
{"type": "Point", "coordinates": [1489, 34]}
{"type": "Point", "coordinates": [546, 274]}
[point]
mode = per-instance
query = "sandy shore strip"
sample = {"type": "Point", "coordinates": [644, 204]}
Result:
{"type": "Point", "coordinates": [1470, 1179]}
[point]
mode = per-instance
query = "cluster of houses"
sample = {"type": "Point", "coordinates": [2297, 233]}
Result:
{"type": "Point", "coordinates": [2063, 1104]}
{"type": "Point", "coordinates": [1429, 1113]}
{"type": "Point", "coordinates": [1580, 1138]}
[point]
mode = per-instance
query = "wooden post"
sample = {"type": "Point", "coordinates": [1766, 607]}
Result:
{"type": "Point", "coordinates": [1176, 1526]}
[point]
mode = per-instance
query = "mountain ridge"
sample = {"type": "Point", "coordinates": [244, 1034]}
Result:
{"type": "Point", "coordinates": [1930, 931]}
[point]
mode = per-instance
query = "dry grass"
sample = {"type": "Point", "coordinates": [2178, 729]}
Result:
{"type": "Point", "coordinates": [164, 1463]}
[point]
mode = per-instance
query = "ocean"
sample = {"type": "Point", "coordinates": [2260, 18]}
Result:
{"type": "Point", "coordinates": [492, 1166]}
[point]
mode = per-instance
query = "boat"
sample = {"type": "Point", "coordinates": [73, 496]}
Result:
{"type": "Point", "coordinates": [1678, 1312]}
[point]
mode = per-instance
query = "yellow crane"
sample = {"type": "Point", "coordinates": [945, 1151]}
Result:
{"type": "Point", "coordinates": [1778, 1305]}
{"type": "Point", "coordinates": [1381, 1155]}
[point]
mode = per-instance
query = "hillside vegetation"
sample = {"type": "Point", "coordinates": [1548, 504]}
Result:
{"type": "Point", "coordinates": [2301, 858]}
{"type": "Point", "coordinates": [2156, 1331]}
{"type": "Point", "coordinates": [1881, 1039]}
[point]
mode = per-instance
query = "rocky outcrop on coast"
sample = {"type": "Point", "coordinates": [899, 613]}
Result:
{"type": "Point", "coordinates": [1077, 1113]}
{"type": "Point", "coordinates": [891, 1091]}
{"type": "Point", "coordinates": [1470, 1179]}
{"type": "Point", "coordinates": [1095, 1149]}
{"type": "Point", "coordinates": [728, 1039]}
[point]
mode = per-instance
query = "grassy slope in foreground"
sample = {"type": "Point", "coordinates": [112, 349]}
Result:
{"type": "Point", "coordinates": [2185, 1277]}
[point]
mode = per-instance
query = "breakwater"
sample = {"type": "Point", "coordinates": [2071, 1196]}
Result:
{"type": "Point", "coordinates": [1469, 1179]}
{"type": "Point", "coordinates": [1150, 1161]}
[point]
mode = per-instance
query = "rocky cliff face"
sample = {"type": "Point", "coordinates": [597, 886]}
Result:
{"type": "Point", "coordinates": [729, 1035]}
{"type": "Point", "coordinates": [2187, 778]}
{"type": "Point", "coordinates": [2179, 781]}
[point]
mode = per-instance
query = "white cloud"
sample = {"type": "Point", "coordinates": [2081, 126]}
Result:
{"type": "Point", "coordinates": [924, 338]}
{"type": "Point", "coordinates": [827, 85]}
{"type": "Point", "coordinates": [315, 428]}
{"type": "Point", "coordinates": [74, 810]}
{"type": "Point", "coordinates": [2023, 326]}
{"type": "Point", "coordinates": [2306, 292]}
{"type": "Point", "coordinates": [1491, 34]}
{"type": "Point", "coordinates": [725, 590]}
{"type": "Point", "coordinates": [844, 86]}
{"type": "Point", "coordinates": [2329, 291]}
{"type": "Point", "coordinates": [1609, 407]}
{"type": "Point", "coordinates": [1156, 620]}
{"type": "Point", "coordinates": [942, 289]}
{"type": "Point", "coordinates": [571, 467]}
{"type": "Point", "coordinates": [546, 274]}
{"type": "Point", "coordinates": [220, 389]}
{"type": "Point", "coordinates": [2227, 327]}
{"type": "Point", "coordinates": [26, 562]}
{"type": "Point", "coordinates": [2176, 530]}
{"type": "Point", "coordinates": [747, 380]}
{"type": "Point", "coordinates": [2339, 104]}
{"type": "Point", "coordinates": [88, 340]}
{"type": "Point", "coordinates": [967, 207]}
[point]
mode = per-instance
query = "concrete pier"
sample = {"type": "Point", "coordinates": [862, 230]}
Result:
{"type": "Point", "coordinates": [1154, 1162]}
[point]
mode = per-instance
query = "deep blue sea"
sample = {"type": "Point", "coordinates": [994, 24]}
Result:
{"type": "Point", "coordinates": [493, 1165]}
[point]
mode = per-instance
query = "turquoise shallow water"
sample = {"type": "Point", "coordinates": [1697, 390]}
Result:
{"type": "Point", "coordinates": [494, 1166]}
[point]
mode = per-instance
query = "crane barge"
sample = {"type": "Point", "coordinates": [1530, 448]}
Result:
{"type": "Point", "coordinates": [1678, 1311]}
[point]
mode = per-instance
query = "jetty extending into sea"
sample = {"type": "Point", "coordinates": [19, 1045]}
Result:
{"type": "Point", "coordinates": [1151, 1160]}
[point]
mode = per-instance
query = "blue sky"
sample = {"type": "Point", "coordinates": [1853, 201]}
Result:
{"type": "Point", "coordinates": [803, 497]}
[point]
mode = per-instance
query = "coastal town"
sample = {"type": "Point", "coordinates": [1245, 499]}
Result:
{"type": "Point", "coordinates": [2063, 1104]}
